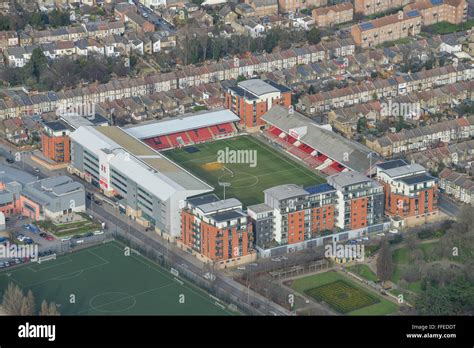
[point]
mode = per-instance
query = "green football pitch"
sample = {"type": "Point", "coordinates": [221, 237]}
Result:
{"type": "Point", "coordinates": [247, 182]}
{"type": "Point", "coordinates": [102, 280]}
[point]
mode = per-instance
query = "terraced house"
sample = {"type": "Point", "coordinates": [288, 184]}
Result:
{"type": "Point", "coordinates": [385, 88]}
{"type": "Point", "coordinates": [422, 138]}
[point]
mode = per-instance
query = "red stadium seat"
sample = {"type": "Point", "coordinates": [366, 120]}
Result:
{"type": "Point", "coordinates": [199, 135]}
{"type": "Point", "coordinates": [158, 143]}
{"type": "Point", "coordinates": [174, 139]}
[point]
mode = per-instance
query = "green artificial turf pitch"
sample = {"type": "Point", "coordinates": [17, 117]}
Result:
{"type": "Point", "coordinates": [247, 183]}
{"type": "Point", "coordinates": [104, 281]}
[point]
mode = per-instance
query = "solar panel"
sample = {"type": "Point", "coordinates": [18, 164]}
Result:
{"type": "Point", "coordinates": [413, 13]}
{"type": "Point", "coordinates": [366, 26]}
{"type": "Point", "coordinates": [436, 2]}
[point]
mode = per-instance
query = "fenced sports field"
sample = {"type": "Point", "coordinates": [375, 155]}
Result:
{"type": "Point", "coordinates": [247, 182]}
{"type": "Point", "coordinates": [103, 280]}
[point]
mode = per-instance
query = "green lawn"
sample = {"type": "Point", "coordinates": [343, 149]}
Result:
{"type": "Point", "coordinates": [364, 271]}
{"type": "Point", "coordinates": [446, 28]}
{"type": "Point", "coordinates": [107, 282]}
{"type": "Point", "coordinates": [306, 284]}
{"type": "Point", "coordinates": [247, 182]}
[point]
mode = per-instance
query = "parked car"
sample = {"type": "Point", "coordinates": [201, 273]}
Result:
{"type": "Point", "coordinates": [43, 235]}
{"type": "Point", "coordinates": [10, 160]}
{"type": "Point", "coordinates": [49, 237]}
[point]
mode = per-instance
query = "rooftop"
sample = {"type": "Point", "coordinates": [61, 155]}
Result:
{"type": "Point", "coordinates": [182, 124]}
{"type": "Point", "coordinates": [282, 192]}
{"type": "Point", "coordinates": [135, 159]}
{"type": "Point", "coordinates": [349, 153]}
{"type": "Point", "coordinates": [216, 206]}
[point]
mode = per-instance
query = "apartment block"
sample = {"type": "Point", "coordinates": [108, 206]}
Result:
{"type": "Point", "coordinates": [299, 213]}
{"type": "Point", "coordinates": [217, 230]}
{"type": "Point", "coordinates": [360, 200]}
{"type": "Point", "coordinates": [333, 15]}
{"type": "Point", "coordinates": [264, 7]}
{"type": "Point", "coordinates": [251, 99]}
{"type": "Point", "coordinates": [434, 11]}
{"type": "Point", "coordinates": [388, 28]}
{"type": "Point", "coordinates": [410, 192]}
{"type": "Point", "coordinates": [286, 6]}
{"type": "Point", "coordinates": [369, 7]}
{"type": "Point", "coordinates": [55, 141]}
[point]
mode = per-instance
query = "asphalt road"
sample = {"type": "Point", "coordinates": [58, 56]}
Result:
{"type": "Point", "coordinates": [449, 206]}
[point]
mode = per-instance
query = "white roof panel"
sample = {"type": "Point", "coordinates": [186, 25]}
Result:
{"type": "Point", "coordinates": [182, 124]}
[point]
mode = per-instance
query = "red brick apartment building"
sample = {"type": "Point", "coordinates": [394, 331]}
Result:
{"type": "Point", "coordinates": [359, 200]}
{"type": "Point", "coordinates": [55, 141]}
{"type": "Point", "coordinates": [333, 15]}
{"type": "Point", "coordinates": [388, 28]}
{"type": "Point", "coordinates": [217, 231]}
{"type": "Point", "coordinates": [299, 213]}
{"type": "Point", "coordinates": [434, 11]}
{"type": "Point", "coordinates": [251, 99]}
{"type": "Point", "coordinates": [410, 192]}
{"type": "Point", "coordinates": [369, 7]}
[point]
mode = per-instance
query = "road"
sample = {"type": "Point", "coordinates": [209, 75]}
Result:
{"type": "Point", "coordinates": [449, 206]}
{"type": "Point", "coordinates": [115, 220]}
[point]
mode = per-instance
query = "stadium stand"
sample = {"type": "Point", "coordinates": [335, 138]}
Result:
{"type": "Point", "coordinates": [318, 147]}
{"type": "Point", "coordinates": [187, 130]}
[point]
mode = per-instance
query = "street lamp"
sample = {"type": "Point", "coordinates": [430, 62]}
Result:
{"type": "Point", "coordinates": [369, 156]}
{"type": "Point", "coordinates": [224, 185]}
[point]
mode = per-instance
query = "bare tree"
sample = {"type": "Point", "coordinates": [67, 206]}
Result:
{"type": "Point", "coordinates": [50, 309]}
{"type": "Point", "coordinates": [384, 262]}
{"type": "Point", "coordinates": [28, 304]}
{"type": "Point", "coordinates": [13, 299]}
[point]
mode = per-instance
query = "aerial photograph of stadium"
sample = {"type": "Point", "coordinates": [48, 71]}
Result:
{"type": "Point", "coordinates": [234, 159]}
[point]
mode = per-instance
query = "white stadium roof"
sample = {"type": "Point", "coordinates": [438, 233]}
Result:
{"type": "Point", "coordinates": [149, 168]}
{"type": "Point", "coordinates": [351, 154]}
{"type": "Point", "coordinates": [182, 124]}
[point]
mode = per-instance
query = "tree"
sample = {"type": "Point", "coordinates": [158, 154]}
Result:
{"type": "Point", "coordinates": [456, 298]}
{"type": "Point", "coordinates": [361, 125]}
{"type": "Point", "coordinates": [384, 262]}
{"type": "Point", "coordinates": [37, 64]}
{"type": "Point", "coordinates": [28, 304]}
{"type": "Point", "coordinates": [313, 36]}
{"type": "Point", "coordinates": [50, 309]}
{"type": "Point", "coordinates": [12, 299]}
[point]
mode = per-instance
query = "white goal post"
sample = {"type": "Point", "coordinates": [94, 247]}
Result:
{"type": "Point", "coordinates": [46, 258]}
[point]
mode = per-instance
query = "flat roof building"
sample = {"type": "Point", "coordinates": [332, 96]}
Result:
{"type": "Point", "coordinates": [153, 187]}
